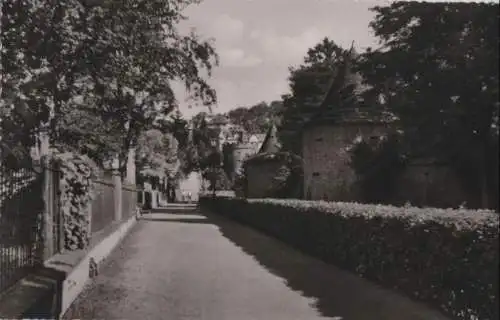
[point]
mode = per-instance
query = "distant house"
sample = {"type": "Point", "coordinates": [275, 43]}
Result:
{"type": "Point", "coordinates": [257, 140]}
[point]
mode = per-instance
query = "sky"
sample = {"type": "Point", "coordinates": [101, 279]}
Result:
{"type": "Point", "coordinates": [258, 40]}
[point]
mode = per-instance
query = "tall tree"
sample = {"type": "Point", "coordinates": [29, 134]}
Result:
{"type": "Point", "coordinates": [228, 163]}
{"type": "Point", "coordinates": [114, 60]}
{"type": "Point", "coordinates": [40, 41]}
{"type": "Point", "coordinates": [157, 154]}
{"type": "Point", "coordinates": [257, 118]}
{"type": "Point", "coordinates": [437, 70]}
{"type": "Point", "coordinates": [308, 85]}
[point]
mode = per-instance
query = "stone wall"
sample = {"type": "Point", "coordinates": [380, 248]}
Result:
{"type": "Point", "coordinates": [327, 174]}
{"type": "Point", "coordinates": [426, 184]}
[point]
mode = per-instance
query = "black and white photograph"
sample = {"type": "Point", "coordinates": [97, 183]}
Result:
{"type": "Point", "coordinates": [249, 160]}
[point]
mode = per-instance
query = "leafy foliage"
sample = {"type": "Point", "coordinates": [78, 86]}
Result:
{"type": "Point", "coordinates": [240, 183]}
{"type": "Point", "coordinates": [417, 251]}
{"type": "Point", "coordinates": [204, 153]}
{"type": "Point", "coordinates": [76, 194]}
{"type": "Point", "coordinates": [157, 154]}
{"type": "Point", "coordinates": [110, 63]}
{"type": "Point", "coordinates": [218, 179]}
{"type": "Point", "coordinates": [309, 84]}
{"type": "Point", "coordinates": [437, 71]}
{"type": "Point", "coordinates": [376, 164]}
{"type": "Point", "coordinates": [228, 162]}
{"type": "Point", "coordinates": [258, 118]}
{"type": "Point", "coordinates": [187, 147]}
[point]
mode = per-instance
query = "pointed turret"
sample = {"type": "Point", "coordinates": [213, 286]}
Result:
{"type": "Point", "coordinates": [341, 80]}
{"type": "Point", "coordinates": [271, 143]}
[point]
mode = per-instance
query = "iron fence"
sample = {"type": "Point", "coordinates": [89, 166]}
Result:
{"type": "Point", "coordinates": [21, 212]}
{"type": "Point", "coordinates": [129, 201]}
{"type": "Point", "coordinates": [103, 205]}
{"type": "Point", "coordinates": [140, 200]}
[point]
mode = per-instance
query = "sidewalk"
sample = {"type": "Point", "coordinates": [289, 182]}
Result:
{"type": "Point", "coordinates": [192, 265]}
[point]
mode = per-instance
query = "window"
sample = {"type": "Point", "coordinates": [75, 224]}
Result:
{"type": "Point", "coordinates": [315, 174]}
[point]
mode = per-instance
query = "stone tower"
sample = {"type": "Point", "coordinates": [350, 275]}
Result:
{"type": "Point", "coordinates": [242, 151]}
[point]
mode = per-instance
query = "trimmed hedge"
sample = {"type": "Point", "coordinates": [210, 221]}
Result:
{"type": "Point", "coordinates": [445, 257]}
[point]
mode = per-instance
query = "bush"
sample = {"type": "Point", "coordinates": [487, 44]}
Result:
{"type": "Point", "coordinates": [377, 164]}
{"type": "Point", "coordinates": [240, 183]}
{"type": "Point", "coordinates": [76, 194]}
{"type": "Point", "coordinates": [445, 257]}
{"type": "Point", "coordinates": [217, 178]}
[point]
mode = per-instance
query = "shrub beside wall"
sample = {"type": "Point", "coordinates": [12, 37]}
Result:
{"type": "Point", "coordinates": [76, 194]}
{"type": "Point", "coordinates": [445, 257]}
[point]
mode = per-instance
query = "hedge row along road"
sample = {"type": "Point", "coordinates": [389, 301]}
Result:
{"type": "Point", "coordinates": [447, 258]}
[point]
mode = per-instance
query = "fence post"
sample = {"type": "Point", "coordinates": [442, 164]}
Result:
{"type": "Point", "coordinates": [154, 198]}
{"type": "Point", "coordinates": [130, 176]}
{"type": "Point", "coordinates": [48, 218]}
{"type": "Point", "coordinates": [117, 192]}
{"type": "Point", "coordinates": [56, 188]}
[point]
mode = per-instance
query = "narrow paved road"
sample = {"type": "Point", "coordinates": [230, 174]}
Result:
{"type": "Point", "coordinates": [193, 265]}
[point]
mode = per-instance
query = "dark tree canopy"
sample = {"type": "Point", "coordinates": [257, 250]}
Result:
{"type": "Point", "coordinates": [257, 118]}
{"type": "Point", "coordinates": [110, 63]}
{"type": "Point", "coordinates": [309, 84]}
{"type": "Point", "coordinates": [437, 71]}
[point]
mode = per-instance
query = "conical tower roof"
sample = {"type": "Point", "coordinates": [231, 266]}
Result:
{"type": "Point", "coordinates": [340, 103]}
{"type": "Point", "coordinates": [271, 143]}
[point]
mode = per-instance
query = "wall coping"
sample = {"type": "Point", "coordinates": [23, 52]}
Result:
{"type": "Point", "coordinates": [104, 182]}
{"type": "Point", "coordinates": [130, 187]}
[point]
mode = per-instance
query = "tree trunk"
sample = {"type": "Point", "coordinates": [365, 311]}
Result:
{"type": "Point", "coordinates": [486, 172]}
{"type": "Point", "coordinates": [487, 156]}
{"type": "Point", "coordinates": [485, 198]}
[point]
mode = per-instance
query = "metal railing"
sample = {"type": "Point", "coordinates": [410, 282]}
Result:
{"type": "Point", "coordinates": [21, 212]}
{"type": "Point", "coordinates": [103, 205]}
{"type": "Point", "coordinates": [129, 201]}
{"type": "Point", "coordinates": [27, 198]}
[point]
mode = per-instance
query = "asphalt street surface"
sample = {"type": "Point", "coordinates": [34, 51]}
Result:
{"type": "Point", "coordinates": [186, 264]}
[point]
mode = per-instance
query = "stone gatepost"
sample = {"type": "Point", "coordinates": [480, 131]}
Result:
{"type": "Point", "coordinates": [117, 194]}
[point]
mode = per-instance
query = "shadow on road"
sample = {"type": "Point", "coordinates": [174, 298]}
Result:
{"type": "Point", "coordinates": [174, 210]}
{"type": "Point", "coordinates": [302, 274]}
{"type": "Point", "coordinates": [178, 220]}
{"type": "Point", "coordinates": [336, 292]}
